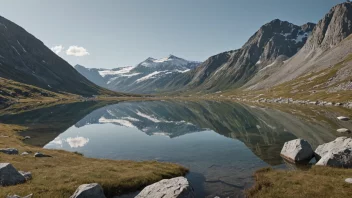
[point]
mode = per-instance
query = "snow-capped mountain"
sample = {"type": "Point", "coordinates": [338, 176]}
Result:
{"type": "Point", "coordinates": [148, 76]}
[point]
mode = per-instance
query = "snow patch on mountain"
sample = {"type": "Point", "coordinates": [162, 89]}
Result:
{"type": "Point", "coordinates": [124, 70]}
{"type": "Point", "coordinates": [149, 76]}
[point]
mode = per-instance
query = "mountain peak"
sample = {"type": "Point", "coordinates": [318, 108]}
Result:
{"type": "Point", "coordinates": [172, 57]}
{"type": "Point", "coordinates": [150, 59]}
{"type": "Point", "coordinates": [333, 28]}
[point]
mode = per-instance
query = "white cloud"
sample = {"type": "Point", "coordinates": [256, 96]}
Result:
{"type": "Point", "coordinates": [77, 141]}
{"type": "Point", "coordinates": [76, 51]}
{"type": "Point", "coordinates": [57, 49]}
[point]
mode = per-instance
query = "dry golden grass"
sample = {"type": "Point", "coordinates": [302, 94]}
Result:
{"type": "Point", "coordinates": [60, 175]}
{"type": "Point", "coordinates": [316, 182]}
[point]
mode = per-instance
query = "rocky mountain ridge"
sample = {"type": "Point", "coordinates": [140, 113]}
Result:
{"type": "Point", "coordinates": [327, 47]}
{"type": "Point", "coordinates": [149, 76]}
{"type": "Point", "coordinates": [26, 59]}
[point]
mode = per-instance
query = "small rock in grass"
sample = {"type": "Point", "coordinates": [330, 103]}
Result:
{"type": "Point", "coordinates": [16, 196]}
{"type": "Point", "coordinates": [343, 130]}
{"type": "Point", "coordinates": [25, 153]}
{"type": "Point", "coordinates": [38, 154]}
{"type": "Point", "coordinates": [348, 180]}
{"type": "Point", "coordinates": [93, 190]}
{"type": "Point", "coordinates": [9, 151]}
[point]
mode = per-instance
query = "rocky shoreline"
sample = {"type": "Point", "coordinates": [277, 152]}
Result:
{"type": "Point", "coordinates": [298, 102]}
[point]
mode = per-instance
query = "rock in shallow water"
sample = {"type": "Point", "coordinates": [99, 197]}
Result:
{"type": "Point", "coordinates": [343, 118]}
{"type": "Point", "coordinates": [297, 150]}
{"type": "Point", "coordinates": [93, 190]}
{"type": "Point", "coordinates": [9, 175]}
{"type": "Point", "coordinates": [168, 188]}
{"type": "Point", "coordinates": [9, 151]}
{"type": "Point", "coordinates": [334, 146]}
{"type": "Point", "coordinates": [338, 158]}
{"type": "Point", "coordinates": [343, 130]}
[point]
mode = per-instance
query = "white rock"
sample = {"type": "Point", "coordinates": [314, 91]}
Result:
{"type": "Point", "coordinates": [25, 153]}
{"type": "Point", "coordinates": [343, 118]}
{"type": "Point", "coordinates": [168, 188]}
{"type": "Point", "coordinates": [343, 130]}
{"type": "Point", "coordinates": [16, 196]}
{"type": "Point", "coordinates": [27, 137]}
{"type": "Point", "coordinates": [9, 175]}
{"type": "Point", "coordinates": [9, 151]}
{"type": "Point", "coordinates": [297, 150]}
{"type": "Point", "coordinates": [340, 159]}
{"type": "Point", "coordinates": [348, 180]}
{"type": "Point", "coordinates": [93, 190]}
{"type": "Point", "coordinates": [333, 146]}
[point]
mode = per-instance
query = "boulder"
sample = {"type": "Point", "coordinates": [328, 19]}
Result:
{"type": "Point", "coordinates": [334, 146]}
{"type": "Point", "coordinates": [297, 150]}
{"type": "Point", "coordinates": [93, 190]}
{"type": "Point", "coordinates": [9, 175]}
{"type": "Point", "coordinates": [343, 118]}
{"type": "Point", "coordinates": [38, 154]}
{"type": "Point", "coordinates": [168, 188]}
{"type": "Point", "coordinates": [9, 151]}
{"type": "Point", "coordinates": [337, 158]}
{"type": "Point", "coordinates": [343, 130]}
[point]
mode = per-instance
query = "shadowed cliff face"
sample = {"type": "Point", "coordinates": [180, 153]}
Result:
{"type": "Point", "coordinates": [262, 130]}
{"type": "Point", "coordinates": [26, 59]}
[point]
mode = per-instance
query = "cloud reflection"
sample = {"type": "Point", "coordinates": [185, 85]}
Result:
{"type": "Point", "coordinates": [77, 141]}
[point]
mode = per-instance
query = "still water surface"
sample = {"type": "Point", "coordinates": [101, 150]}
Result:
{"type": "Point", "coordinates": [222, 143]}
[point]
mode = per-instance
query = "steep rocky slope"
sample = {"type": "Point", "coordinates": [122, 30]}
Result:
{"type": "Point", "coordinates": [26, 59]}
{"type": "Point", "coordinates": [328, 45]}
{"type": "Point", "coordinates": [233, 69]}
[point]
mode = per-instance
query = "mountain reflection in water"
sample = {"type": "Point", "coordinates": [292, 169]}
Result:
{"type": "Point", "coordinates": [222, 143]}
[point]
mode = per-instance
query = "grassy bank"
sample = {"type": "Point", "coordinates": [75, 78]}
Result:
{"type": "Point", "coordinates": [315, 182]}
{"type": "Point", "coordinates": [60, 175]}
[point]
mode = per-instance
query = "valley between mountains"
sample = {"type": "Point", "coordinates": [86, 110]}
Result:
{"type": "Point", "coordinates": [253, 100]}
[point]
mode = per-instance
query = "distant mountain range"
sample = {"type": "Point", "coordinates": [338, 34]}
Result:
{"type": "Point", "coordinates": [307, 59]}
{"type": "Point", "coordinates": [277, 53]}
{"type": "Point", "coordinates": [274, 42]}
{"type": "Point", "coordinates": [149, 76]}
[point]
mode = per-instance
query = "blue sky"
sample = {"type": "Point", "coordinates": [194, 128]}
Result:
{"type": "Point", "coordinates": [115, 33]}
